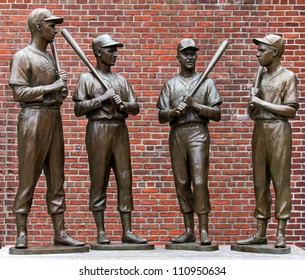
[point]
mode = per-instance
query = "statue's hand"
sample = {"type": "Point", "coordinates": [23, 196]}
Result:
{"type": "Point", "coordinates": [190, 102]}
{"type": "Point", "coordinates": [254, 91]}
{"type": "Point", "coordinates": [117, 99]}
{"type": "Point", "coordinates": [180, 109]}
{"type": "Point", "coordinates": [109, 94]}
{"type": "Point", "coordinates": [255, 101]}
{"type": "Point", "coordinates": [63, 77]}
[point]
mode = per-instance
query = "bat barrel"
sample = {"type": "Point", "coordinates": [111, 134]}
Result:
{"type": "Point", "coordinates": [55, 55]}
{"type": "Point", "coordinates": [211, 65]}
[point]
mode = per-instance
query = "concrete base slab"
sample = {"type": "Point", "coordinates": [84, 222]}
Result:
{"type": "Point", "coordinates": [52, 249]}
{"type": "Point", "coordinates": [160, 253]}
{"type": "Point", "coordinates": [191, 247]}
{"type": "Point", "coordinates": [262, 249]}
{"type": "Point", "coordinates": [238, 265]}
{"type": "Point", "coordinates": [121, 247]}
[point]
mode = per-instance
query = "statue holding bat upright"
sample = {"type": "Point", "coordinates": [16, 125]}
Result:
{"type": "Point", "coordinates": [40, 89]}
{"type": "Point", "coordinates": [188, 102]}
{"type": "Point", "coordinates": [273, 101]}
{"type": "Point", "coordinates": [107, 99]}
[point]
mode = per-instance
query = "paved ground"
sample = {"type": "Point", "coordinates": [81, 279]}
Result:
{"type": "Point", "coordinates": [160, 253]}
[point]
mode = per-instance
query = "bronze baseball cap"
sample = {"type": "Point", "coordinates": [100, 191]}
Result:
{"type": "Point", "coordinates": [104, 41]}
{"type": "Point", "coordinates": [38, 15]}
{"type": "Point", "coordinates": [272, 40]}
{"type": "Point", "coordinates": [186, 43]}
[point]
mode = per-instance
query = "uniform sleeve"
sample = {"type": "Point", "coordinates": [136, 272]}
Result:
{"type": "Point", "coordinates": [20, 80]}
{"type": "Point", "coordinates": [83, 102]}
{"type": "Point", "coordinates": [291, 96]}
{"type": "Point", "coordinates": [163, 104]}
{"type": "Point", "coordinates": [210, 109]}
{"type": "Point", "coordinates": [213, 98]}
{"type": "Point", "coordinates": [132, 106]}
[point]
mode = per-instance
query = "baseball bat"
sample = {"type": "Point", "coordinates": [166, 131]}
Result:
{"type": "Point", "coordinates": [85, 59]}
{"type": "Point", "coordinates": [257, 80]}
{"type": "Point", "coordinates": [57, 65]}
{"type": "Point", "coordinates": [258, 76]}
{"type": "Point", "coordinates": [211, 65]}
{"type": "Point", "coordinates": [207, 71]}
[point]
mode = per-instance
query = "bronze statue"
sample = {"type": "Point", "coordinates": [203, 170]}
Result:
{"type": "Point", "coordinates": [189, 140]}
{"type": "Point", "coordinates": [273, 101]}
{"type": "Point", "coordinates": [40, 90]}
{"type": "Point", "coordinates": [107, 101]}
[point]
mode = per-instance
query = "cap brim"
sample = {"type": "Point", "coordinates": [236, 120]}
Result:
{"type": "Point", "coordinates": [257, 41]}
{"type": "Point", "coordinates": [57, 20]}
{"type": "Point", "coordinates": [113, 44]}
{"type": "Point", "coordinates": [188, 47]}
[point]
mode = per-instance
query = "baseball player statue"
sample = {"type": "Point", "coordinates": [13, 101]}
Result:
{"type": "Point", "coordinates": [107, 139]}
{"type": "Point", "coordinates": [271, 105]}
{"type": "Point", "coordinates": [40, 90]}
{"type": "Point", "coordinates": [189, 139]}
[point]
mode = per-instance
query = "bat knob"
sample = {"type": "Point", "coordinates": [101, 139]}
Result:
{"type": "Point", "coordinates": [64, 91]}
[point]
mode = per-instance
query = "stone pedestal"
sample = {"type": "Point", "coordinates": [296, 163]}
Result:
{"type": "Point", "coordinates": [191, 247]}
{"type": "Point", "coordinates": [52, 249]}
{"type": "Point", "coordinates": [121, 247]}
{"type": "Point", "coordinates": [263, 249]}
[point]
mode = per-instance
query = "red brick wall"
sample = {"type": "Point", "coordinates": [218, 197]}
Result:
{"type": "Point", "coordinates": [150, 30]}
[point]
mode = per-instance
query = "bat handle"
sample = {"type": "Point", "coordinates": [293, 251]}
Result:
{"type": "Point", "coordinates": [64, 91]}
{"type": "Point", "coordinates": [257, 80]}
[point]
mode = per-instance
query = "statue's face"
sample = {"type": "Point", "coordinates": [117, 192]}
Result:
{"type": "Point", "coordinates": [48, 30]}
{"type": "Point", "coordinates": [265, 54]}
{"type": "Point", "coordinates": [108, 55]}
{"type": "Point", "coordinates": [187, 58]}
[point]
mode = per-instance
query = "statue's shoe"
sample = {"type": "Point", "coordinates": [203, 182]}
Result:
{"type": "Point", "coordinates": [22, 242]}
{"type": "Point", "coordinates": [65, 239]}
{"type": "Point", "coordinates": [102, 238]}
{"type": "Point", "coordinates": [253, 240]}
{"type": "Point", "coordinates": [204, 238]}
{"type": "Point", "coordinates": [280, 242]}
{"type": "Point", "coordinates": [184, 238]}
{"type": "Point", "coordinates": [131, 237]}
